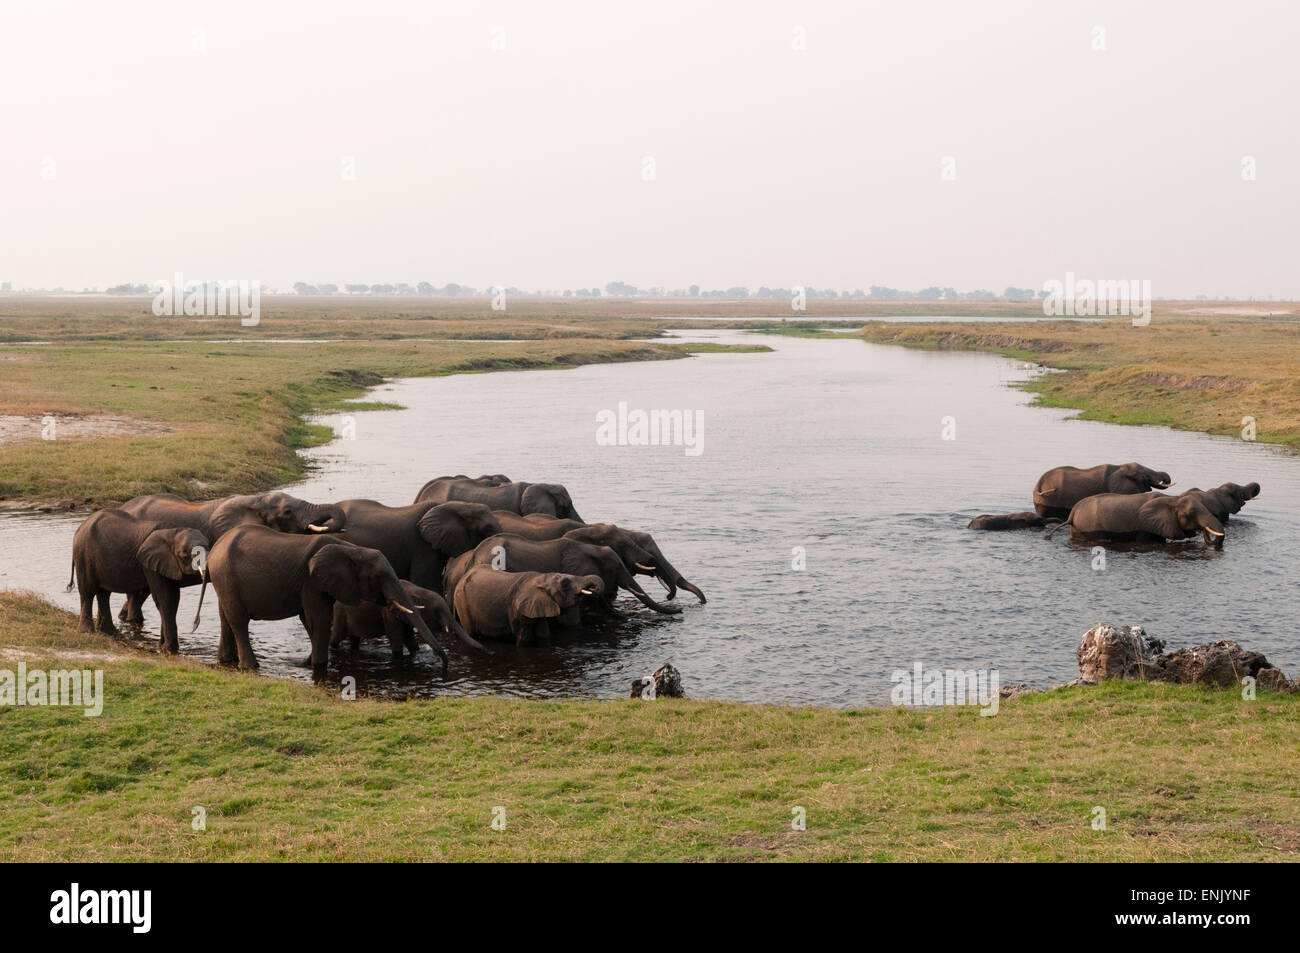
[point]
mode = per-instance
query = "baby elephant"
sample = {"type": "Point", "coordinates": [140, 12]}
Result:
{"type": "Point", "coordinates": [516, 605]}
{"type": "Point", "coordinates": [114, 551]}
{"type": "Point", "coordinates": [1225, 499]}
{"type": "Point", "coordinates": [368, 620]}
{"type": "Point", "coordinates": [1025, 520]}
{"type": "Point", "coordinates": [1142, 517]}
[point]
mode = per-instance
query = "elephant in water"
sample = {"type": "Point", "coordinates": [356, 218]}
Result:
{"type": "Point", "coordinates": [259, 573]}
{"type": "Point", "coordinates": [419, 538]}
{"type": "Point", "coordinates": [1225, 499]}
{"type": "Point", "coordinates": [1142, 517]}
{"type": "Point", "coordinates": [517, 605]}
{"type": "Point", "coordinates": [548, 499]}
{"type": "Point", "coordinates": [1025, 520]}
{"type": "Point", "coordinates": [565, 554]}
{"type": "Point", "coordinates": [214, 518]}
{"type": "Point", "coordinates": [1060, 488]}
{"type": "Point", "coordinates": [368, 620]}
{"type": "Point", "coordinates": [632, 546]}
{"type": "Point", "coordinates": [114, 551]}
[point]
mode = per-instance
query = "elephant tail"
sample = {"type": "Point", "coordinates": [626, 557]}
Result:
{"type": "Point", "coordinates": [1064, 522]}
{"type": "Point", "coordinates": [202, 591]}
{"type": "Point", "coordinates": [72, 576]}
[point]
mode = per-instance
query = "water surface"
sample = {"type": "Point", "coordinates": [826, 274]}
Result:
{"type": "Point", "coordinates": [833, 446]}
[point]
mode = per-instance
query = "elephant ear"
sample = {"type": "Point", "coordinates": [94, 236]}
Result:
{"type": "Point", "coordinates": [334, 571]}
{"type": "Point", "coordinates": [532, 601]}
{"type": "Point", "coordinates": [1159, 517]}
{"type": "Point", "coordinates": [443, 528]}
{"type": "Point", "coordinates": [158, 553]}
{"type": "Point", "coordinates": [575, 562]}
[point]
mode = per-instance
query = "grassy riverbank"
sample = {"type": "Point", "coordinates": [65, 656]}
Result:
{"type": "Point", "coordinates": [286, 771]}
{"type": "Point", "coordinates": [1190, 372]}
{"type": "Point", "coordinates": [204, 417]}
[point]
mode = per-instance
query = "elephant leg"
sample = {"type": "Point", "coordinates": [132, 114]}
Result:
{"type": "Point", "coordinates": [227, 653]}
{"type": "Point", "coordinates": [104, 623]}
{"type": "Point", "coordinates": [542, 632]}
{"type": "Point", "coordinates": [87, 621]}
{"type": "Point", "coordinates": [167, 599]}
{"type": "Point", "coordinates": [132, 611]}
{"type": "Point", "coordinates": [320, 653]}
{"type": "Point", "coordinates": [397, 633]}
{"type": "Point", "coordinates": [247, 659]}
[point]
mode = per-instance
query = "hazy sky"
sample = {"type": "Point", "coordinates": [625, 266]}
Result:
{"type": "Point", "coordinates": [773, 165]}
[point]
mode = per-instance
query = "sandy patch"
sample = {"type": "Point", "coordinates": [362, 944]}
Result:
{"type": "Point", "coordinates": [77, 426]}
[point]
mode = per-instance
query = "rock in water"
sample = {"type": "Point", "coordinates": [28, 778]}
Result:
{"type": "Point", "coordinates": [666, 681]}
{"type": "Point", "coordinates": [1126, 651]}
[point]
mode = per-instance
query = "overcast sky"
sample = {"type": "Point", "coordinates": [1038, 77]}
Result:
{"type": "Point", "coordinates": [773, 164]}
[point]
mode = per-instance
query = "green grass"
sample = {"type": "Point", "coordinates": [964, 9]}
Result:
{"type": "Point", "coordinates": [286, 771]}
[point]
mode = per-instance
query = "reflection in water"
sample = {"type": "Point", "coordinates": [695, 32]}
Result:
{"type": "Point", "coordinates": [833, 446]}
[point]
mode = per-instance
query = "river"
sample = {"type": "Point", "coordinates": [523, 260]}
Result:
{"type": "Point", "coordinates": [830, 448]}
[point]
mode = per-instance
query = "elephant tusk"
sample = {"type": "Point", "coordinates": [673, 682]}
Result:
{"type": "Point", "coordinates": [404, 609]}
{"type": "Point", "coordinates": [644, 566]}
{"type": "Point", "coordinates": [1208, 530]}
{"type": "Point", "coordinates": [318, 529]}
{"type": "Point", "coordinates": [586, 592]}
{"type": "Point", "coordinates": [418, 606]}
{"type": "Point", "coordinates": [638, 592]}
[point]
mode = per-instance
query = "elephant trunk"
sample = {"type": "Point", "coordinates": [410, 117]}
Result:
{"type": "Point", "coordinates": [398, 601]}
{"type": "Point", "coordinates": [326, 518]}
{"type": "Point", "coordinates": [455, 629]}
{"type": "Point", "coordinates": [692, 589]}
{"type": "Point", "coordinates": [626, 581]}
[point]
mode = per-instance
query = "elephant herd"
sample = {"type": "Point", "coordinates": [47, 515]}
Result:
{"type": "Point", "coordinates": [471, 558]}
{"type": "Point", "coordinates": [1120, 503]}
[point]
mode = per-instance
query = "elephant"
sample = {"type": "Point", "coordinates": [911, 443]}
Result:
{"type": "Point", "coordinates": [368, 620]}
{"type": "Point", "coordinates": [1225, 499]}
{"type": "Point", "coordinates": [276, 509]}
{"type": "Point", "coordinates": [632, 547]}
{"type": "Point", "coordinates": [504, 605]}
{"type": "Point", "coordinates": [567, 555]}
{"type": "Point", "coordinates": [259, 573]}
{"type": "Point", "coordinates": [1025, 520]}
{"type": "Point", "coordinates": [1142, 517]}
{"type": "Point", "coordinates": [113, 551]}
{"type": "Point", "coordinates": [1059, 489]}
{"type": "Point", "coordinates": [548, 499]}
{"type": "Point", "coordinates": [419, 538]}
